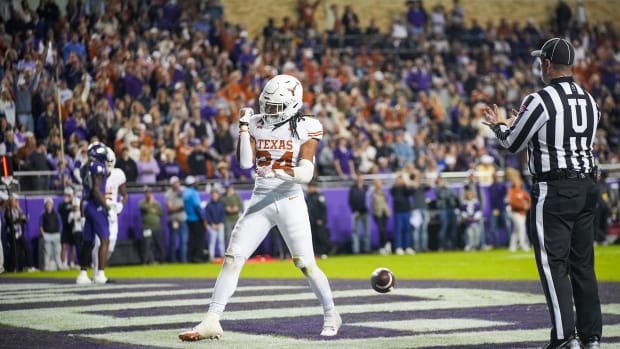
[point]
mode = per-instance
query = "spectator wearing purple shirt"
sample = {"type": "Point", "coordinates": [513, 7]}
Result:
{"type": "Point", "coordinates": [63, 178]}
{"type": "Point", "coordinates": [75, 124]}
{"type": "Point", "coordinates": [170, 167]}
{"type": "Point", "coordinates": [471, 214]}
{"type": "Point", "coordinates": [178, 76]}
{"type": "Point", "coordinates": [497, 202]}
{"type": "Point", "coordinates": [419, 78]}
{"type": "Point", "coordinates": [162, 22]}
{"type": "Point", "coordinates": [133, 84]}
{"type": "Point", "coordinates": [343, 160]}
{"type": "Point", "coordinates": [237, 49]}
{"type": "Point", "coordinates": [416, 17]}
{"type": "Point", "coordinates": [246, 58]}
{"type": "Point", "coordinates": [209, 111]}
{"type": "Point", "coordinates": [148, 169]}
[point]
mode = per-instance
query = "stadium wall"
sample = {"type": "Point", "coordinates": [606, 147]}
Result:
{"type": "Point", "coordinates": [339, 219]}
{"type": "Point", "coordinates": [254, 14]}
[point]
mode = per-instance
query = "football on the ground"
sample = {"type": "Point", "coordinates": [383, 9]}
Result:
{"type": "Point", "coordinates": [382, 280]}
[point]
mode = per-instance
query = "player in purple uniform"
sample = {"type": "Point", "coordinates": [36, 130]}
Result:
{"type": "Point", "coordinates": [95, 213]}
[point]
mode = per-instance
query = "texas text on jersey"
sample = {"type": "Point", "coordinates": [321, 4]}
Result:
{"type": "Point", "coordinates": [275, 147]}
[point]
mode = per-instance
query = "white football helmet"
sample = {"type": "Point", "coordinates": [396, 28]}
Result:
{"type": "Point", "coordinates": [281, 99]}
{"type": "Point", "coordinates": [110, 159]}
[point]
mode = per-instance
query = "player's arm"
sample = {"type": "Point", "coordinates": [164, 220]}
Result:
{"type": "Point", "coordinates": [122, 189]}
{"type": "Point", "coordinates": [246, 150]}
{"type": "Point", "coordinates": [246, 146]}
{"type": "Point", "coordinates": [304, 171]}
{"type": "Point", "coordinates": [97, 194]}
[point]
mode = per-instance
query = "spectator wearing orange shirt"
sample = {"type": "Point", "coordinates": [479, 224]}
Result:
{"type": "Point", "coordinates": [519, 201]}
{"type": "Point", "coordinates": [182, 152]}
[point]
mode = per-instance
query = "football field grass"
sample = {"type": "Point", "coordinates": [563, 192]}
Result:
{"type": "Point", "coordinates": [498, 264]}
{"type": "Point", "coordinates": [455, 300]}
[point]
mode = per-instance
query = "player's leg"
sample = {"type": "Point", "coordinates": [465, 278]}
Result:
{"type": "Point", "coordinates": [294, 225]}
{"type": "Point", "coordinates": [95, 254]}
{"type": "Point", "coordinates": [86, 246]}
{"type": "Point", "coordinates": [103, 231]}
{"type": "Point", "coordinates": [247, 234]}
{"type": "Point", "coordinates": [583, 277]}
{"type": "Point", "coordinates": [113, 236]}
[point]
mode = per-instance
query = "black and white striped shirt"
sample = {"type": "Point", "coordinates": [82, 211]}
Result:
{"type": "Point", "coordinates": [558, 124]}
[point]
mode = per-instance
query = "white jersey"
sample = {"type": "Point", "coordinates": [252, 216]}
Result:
{"type": "Point", "coordinates": [280, 149]}
{"type": "Point", "coordinates": [114, 180]}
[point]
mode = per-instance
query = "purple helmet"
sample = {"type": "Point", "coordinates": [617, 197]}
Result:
{"type": "Point", "coordinates": [98, 152]}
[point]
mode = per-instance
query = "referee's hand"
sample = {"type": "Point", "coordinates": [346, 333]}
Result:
{"type": "Point", "coordinates": [493, 117]}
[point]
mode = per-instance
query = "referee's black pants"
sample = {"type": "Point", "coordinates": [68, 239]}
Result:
{"type": "Point", "coordinates": [561, 232]}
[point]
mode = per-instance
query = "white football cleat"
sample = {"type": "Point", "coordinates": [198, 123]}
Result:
{"type": "Point", "coordinates": [209, 328]}
{"type": "Point", "coordinates": [83, 278]}
{"type": "Point", "coordinates": [100, 278]}
{"type": "Point", "coordinates": [331, 323]}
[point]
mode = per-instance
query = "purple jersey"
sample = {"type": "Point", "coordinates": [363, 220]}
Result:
{"type": "Point", "coordinates": [88, 172]}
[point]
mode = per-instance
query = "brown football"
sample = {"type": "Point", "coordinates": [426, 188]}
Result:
{"type": "Point", "coordinates": [382, 280]}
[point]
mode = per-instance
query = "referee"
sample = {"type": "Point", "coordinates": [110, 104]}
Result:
{"type": "Point", "coordinates": [557, 125]}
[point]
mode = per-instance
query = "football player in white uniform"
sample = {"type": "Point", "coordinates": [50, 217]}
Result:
{"type": "Point", "coordinates": [283, 143]}
{"type": "Point", "coordinates": [115, 185]}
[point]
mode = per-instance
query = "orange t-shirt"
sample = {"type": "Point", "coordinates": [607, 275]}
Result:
{"type": "Point", "coordinates": [182, 152]}
{"type": "Point", "coordinates": [519, 200]}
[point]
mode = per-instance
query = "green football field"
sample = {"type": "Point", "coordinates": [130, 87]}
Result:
{"type": "Point", "coordinates": [483, 265]}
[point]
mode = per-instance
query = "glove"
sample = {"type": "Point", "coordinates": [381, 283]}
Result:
{"type": "Point", "coordinates": [111, 205]}
{"type": "Point", "coordinates": [119, 208]}
{"type": "Point", "coordinates": [112, 210]}
{"type": "Point", "coordinates": [112, 217]}
{"type": "Point", "coordinates": [244, 116]}
{"type": "Point", "coordinates": [265, 172]}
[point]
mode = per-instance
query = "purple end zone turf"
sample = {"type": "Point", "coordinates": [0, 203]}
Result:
{"type": "Point", "coordinates": [518, 317]}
